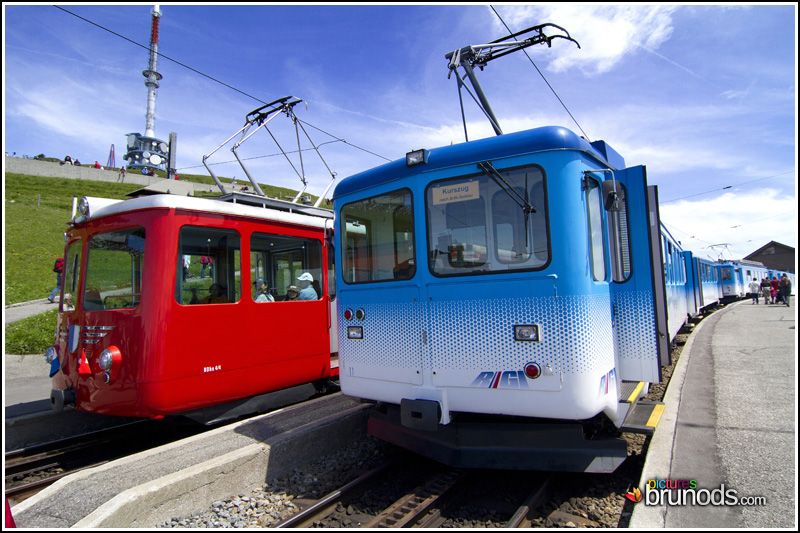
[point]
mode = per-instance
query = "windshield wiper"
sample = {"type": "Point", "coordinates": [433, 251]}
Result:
{"type": "Point", "coordinates": [521, 201]}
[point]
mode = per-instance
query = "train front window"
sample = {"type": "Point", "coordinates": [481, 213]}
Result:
{"type": "Point", "coordinates": [477, 225]}
{"type": "Point", "coordinates": [72, 274]}
{"type": "Point", "coordinates": [209, 266]}
{"type": "Point", "coordinates": [377, 238]}
{"type": "Point", "coordinates": [114, 270]}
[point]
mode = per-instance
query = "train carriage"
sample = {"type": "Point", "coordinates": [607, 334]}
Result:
{"type": "Point", "coordinates": [734, 285]}
{"type": "Point", "coordinates": [520, 276]}
{"type": "Point", "coordinates": [675, 281]}
{"type": "Point", "coordinates": [159, 310]}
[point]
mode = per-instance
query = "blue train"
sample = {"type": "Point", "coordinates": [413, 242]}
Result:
{"type": "Point", "coordinates": [506, 302]}
{"type": "Point", "coordinates": [503, 298]}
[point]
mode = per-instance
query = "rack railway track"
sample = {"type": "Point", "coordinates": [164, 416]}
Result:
{"type": "Point", "coordinates": [436, 494]}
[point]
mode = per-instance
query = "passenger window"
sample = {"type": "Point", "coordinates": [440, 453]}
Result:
{"type": "Point", "coordinates": [284, 268]}
{"type": "Point", "coordinates": [209, 266]}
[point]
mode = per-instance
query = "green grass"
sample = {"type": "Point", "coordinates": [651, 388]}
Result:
{"type": "Point", "coordinates": [31, 335]}
{"type": "Point", "coordinates": [34, 236]}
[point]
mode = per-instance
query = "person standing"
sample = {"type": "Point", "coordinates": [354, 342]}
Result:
{"type": "Point", "coordinates": [776, 285]}
{"type": "Point", "coordinates": [766, 289]}
{"type": "Point", "coordinates": [786, 289]}
{"type": "Point", "coordinates": [755, 288]}
{"type": "Point", "coordinates": [58, 268]}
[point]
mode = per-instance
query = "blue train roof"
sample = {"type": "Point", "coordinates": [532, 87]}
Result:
{"type": "Point", "coordinates": [522, 142]}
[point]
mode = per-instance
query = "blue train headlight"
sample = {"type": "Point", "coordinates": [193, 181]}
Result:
{"type": "Point", "coordinates": [527, 333]}
{"type": "Point", "coordinates": [416, 157]}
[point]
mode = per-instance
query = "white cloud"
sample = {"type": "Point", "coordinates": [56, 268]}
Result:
{"type": "Point", "coordinates": [606, 33]}
{"type": "Point", "coordinates": [733, 224]}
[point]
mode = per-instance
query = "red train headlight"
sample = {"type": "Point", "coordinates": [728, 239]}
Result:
{"type": "Point", "coordinates": [109, 362]}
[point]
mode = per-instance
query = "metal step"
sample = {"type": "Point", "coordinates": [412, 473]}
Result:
{"type": "Point", "coordinates": [643, 417]}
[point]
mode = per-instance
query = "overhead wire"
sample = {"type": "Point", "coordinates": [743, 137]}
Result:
{"type": "Point", "coordinates": [543, 76]}
{"type": "Point", "coordinates": [726, 187]}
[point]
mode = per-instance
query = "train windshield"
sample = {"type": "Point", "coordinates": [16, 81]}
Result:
{"type": "Point", "coordinates": [378, 238]}
{"type": "Point", "coordinates": [114, 270]}
{"type": "Point", "coordinates": [72, 274]}
{"type": "Point", "coordinates": [475, 225]}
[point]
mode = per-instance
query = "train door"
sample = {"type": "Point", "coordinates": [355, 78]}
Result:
{"type": "Point", "coordinates": [638, 292]}
{"type": "Point", "coordinates": [69, 322]}
{"type": "Point", "coordinates": [381, 332]}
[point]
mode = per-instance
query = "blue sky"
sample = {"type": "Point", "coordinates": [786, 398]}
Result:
{"type": "Point", "coordinates": [704, 96]}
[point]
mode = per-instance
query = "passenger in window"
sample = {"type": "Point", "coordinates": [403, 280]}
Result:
{"type": "Point", "coordinates": [292, 294]}
{"type": "Point", "coordinates": [307, 292]}
{"type": "Point", "coordinates": [215, 296]}
{"type": "Point", "coordinates": [263, 292]}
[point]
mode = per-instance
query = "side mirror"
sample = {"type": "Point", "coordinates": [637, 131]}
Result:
{"type": "Point", "coordinates": [613, 196]}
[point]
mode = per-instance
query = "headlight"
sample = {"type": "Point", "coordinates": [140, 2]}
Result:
{"type": "Point", "coordinates": [109, 363]}
{"type": "Point", "coordinates": [106, 359]}
{"type": "Point", "coordinates": [51, 354]}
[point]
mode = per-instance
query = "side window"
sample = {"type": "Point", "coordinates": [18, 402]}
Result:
{"type": "Point", "coordinates": [72, 275]}
{"type": "Point", "coordinates": [377, 238]}
{"type": "Point", "coordinates": [209, 266]}
{"type": "Point", "coordinates": [114, 270]}
{"type": "Point", "coordinates": [594, 214]}
{"type": "Point", "coordinates": [284, 268]}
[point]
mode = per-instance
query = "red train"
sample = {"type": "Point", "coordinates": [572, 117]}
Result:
{"type": "Point", "coordinates": [172, 304]}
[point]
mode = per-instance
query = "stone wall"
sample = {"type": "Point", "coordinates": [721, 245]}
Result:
{"type": "Point", "coordinates": [35, 167]}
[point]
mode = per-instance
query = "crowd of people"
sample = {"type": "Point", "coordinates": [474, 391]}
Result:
{"type": "Point", "coordinates": [772, 290]}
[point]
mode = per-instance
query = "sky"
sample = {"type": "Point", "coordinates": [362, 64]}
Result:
{"type": "Point", "coordinates": [704, 96]}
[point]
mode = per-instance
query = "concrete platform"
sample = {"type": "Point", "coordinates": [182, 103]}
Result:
{"type": "Point", "coordinates": [178, 478]}
{"type": "Point", "coordinates": [729, 424]}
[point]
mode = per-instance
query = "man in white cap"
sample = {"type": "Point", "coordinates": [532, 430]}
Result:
{"type": "Point", "coordinates": [307, 292]}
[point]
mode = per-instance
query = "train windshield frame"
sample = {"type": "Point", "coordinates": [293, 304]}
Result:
{"type": "Point", "coordinates": [114, 270]}
{"type": "Point", "coordinates": [476, 226]}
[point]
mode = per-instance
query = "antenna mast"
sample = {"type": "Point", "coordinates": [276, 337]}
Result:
{"type": "Point", "coordinates": [146, 152]}
{"type": "Point", "coordinates": [151, 75]}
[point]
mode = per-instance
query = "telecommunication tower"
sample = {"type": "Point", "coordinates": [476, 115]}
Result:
{"type": "Point", "coordinates": [146, 151]}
